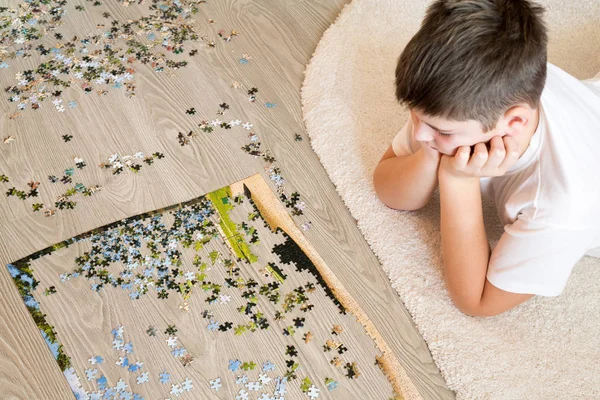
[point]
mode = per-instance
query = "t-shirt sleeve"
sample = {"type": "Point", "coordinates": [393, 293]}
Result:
{"type": "Point", "coordinates": [403, 143]}
{"type": "Point", "coordinates": [534, 259]}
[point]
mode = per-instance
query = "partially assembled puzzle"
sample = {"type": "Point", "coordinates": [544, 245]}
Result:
{"type": "Point", "coordinates": [220, 297]}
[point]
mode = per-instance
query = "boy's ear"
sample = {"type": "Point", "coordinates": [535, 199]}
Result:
{"type": "Point", "coordinates": [515, 119]}
{"type": "Point", "coordinates": [516, 124]}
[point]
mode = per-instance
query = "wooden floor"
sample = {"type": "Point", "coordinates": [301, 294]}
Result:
{"type": "Point", "coordinates": [277, 39]}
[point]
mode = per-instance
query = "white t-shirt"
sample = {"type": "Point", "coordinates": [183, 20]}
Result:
{"type": "Point", "coordinates": [549, 201]}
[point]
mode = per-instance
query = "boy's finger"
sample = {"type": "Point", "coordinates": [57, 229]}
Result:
{"type": "Point", "coordinates": [497, 152]}
{"type": "Point", "coordinates": [481, 153]}
{"type": "Point", "coordinates": [512, 153]}
{"type": "Point", "coordinates": [480, 156]}
{"type": "Point", "coordinates": [462, 156]}
{"type": "Point", "coordinates": [497, 144]}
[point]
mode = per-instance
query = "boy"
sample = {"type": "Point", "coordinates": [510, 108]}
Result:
{"type": "Point", "coordinates": [489, 115]}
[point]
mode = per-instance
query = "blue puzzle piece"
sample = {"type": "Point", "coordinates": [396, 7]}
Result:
{"type": "Point", "coordinates": [213, 325]}
{"type": "Point", "coordinates": [268, 366]}
{"type": "Point", "coordinates": [164, 377]}
{"type": "Point", "coordinates": [102, 382]}
{"type": "Point", "coordinates": [117, 332]}
{"type": "Point", "coordinates": [133, 367]}
{"type": "Point", "coordinates": [179, 352]}
{"type": "Point", "coordinates": [128, 348]}
{"type": "Point", "coordinates": [234, 365]}
{"type": "Point", "coordinates": [125, 395]}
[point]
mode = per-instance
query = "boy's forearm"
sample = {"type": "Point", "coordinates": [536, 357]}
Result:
{"type": "Point", "coordinates": [465, 247]}
{"type": "Point", "coordinates": [406, 182]}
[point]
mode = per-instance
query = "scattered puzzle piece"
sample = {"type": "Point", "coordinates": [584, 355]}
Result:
{"type": "Point", "coordinates": [248, 365]}
{"type": "Point", "coordinates": [331, 384]}
{"type": "Point", "coordinates": [172, 341]}
{"type": "Point", "coordinates": [352, 370]}
{"type": "Point", "coordinates": [102, 382]}
{"type": "Point", "coordinates": [135, 366]}
{"type": "Point", "coordinates": [307, 337]}
{"type": "Point", "coordinates": [187, 385]}
{"type": "Point", "coordinates": [306, 384]}
{"type": "Point", "coordinates": [268, 366]}
{"type": "Point", "coordinates": [234, 365]}
{"type": "Point", "coordinates": [121, 385]}
{"type": "Point", "coordinates": [176, 389]}
{"type": "Point", "coordinates": [187, 359]}
{"type": "Point", "coordinates": [213, 325]}
{"type": "Point", "coordinates": [264, 379]}
{"type": "Point", "coordinates": [122, 362]}
{"type": "Point", "coordinates": [164, 377]}
{"type": "Point", "coordinates": [171, 329]}
{"type": "Point", "coordinates": [215, 384]}
{"type": "Point", "coordinates": [178, 352]}
{"type": "Point", "coordinates": [280, 385]}
{"type": "Point", "coordinates": [336, 362]}
{"type": "Point", "coordinates": [337, 329]}
{"type": "Point", "coordinates": [91, 373]}
{"type": "Point", "coordinates": [313, 392]}
{"type": "Point", "coordinates": [142, 378]}
{"type": "Point", "coordinates": [291, 350]}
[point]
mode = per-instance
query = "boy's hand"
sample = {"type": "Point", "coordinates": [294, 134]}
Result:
{"type": "Point", "coordinates": [503, 154]}
{"type": "Point", "coordinates": [430, 153]}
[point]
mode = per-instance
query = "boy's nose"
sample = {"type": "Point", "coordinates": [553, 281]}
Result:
{"type": "Point", "coordinates": [423, 133]}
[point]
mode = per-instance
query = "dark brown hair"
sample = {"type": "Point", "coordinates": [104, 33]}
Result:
{"type": "Point", "coordinates": [474, 59]}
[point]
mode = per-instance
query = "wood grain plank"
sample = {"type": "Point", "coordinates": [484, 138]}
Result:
{"type": "Point", "coordinates": [27, 368]}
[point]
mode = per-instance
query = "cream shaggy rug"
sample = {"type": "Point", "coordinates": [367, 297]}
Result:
{"type": "Point", "coordinates": [547, 348]}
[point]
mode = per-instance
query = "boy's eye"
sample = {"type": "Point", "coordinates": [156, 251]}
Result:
{"type": "Point", "coordinates": [444, 134]}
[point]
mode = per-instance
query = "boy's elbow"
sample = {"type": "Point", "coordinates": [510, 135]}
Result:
{"type": "Point", "coordinates": [381, 196]}
{"type": "Point", "coordinates": [378, 185]}
{"type": "Point", "coordinates": [476, 311]}
{"type": "Point", "coordinates": [395, 206]}
{"type": "Point", "coordinates": [471, 307]}
{"type": "Point", "coordinates": [481, 312]}
{"type": "Point", "coordinates": [384, 197]}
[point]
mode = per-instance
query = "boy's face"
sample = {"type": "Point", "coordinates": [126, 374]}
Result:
{"type": "Point", "coordinates": [446, 136]}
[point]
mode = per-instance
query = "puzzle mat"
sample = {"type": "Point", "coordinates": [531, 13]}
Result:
{"type": "Point", "coordinates": [219, 297]}
{"type": "Point", "coordinates": [547, 348]}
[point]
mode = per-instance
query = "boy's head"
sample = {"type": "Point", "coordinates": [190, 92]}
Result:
{"type": "Point", "coordinates": [476, 67]}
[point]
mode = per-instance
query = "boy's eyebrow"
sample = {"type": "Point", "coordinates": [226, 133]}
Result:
{"type": "Point", "coordinates": [433, 127]}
